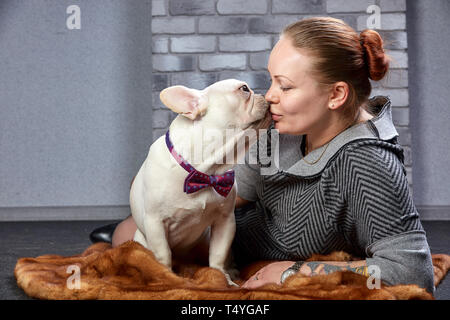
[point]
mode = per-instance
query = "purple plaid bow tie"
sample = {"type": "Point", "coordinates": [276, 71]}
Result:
{"type": "Point", "coordinates": [197, 180]}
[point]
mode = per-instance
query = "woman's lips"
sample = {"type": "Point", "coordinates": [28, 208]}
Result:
{"type": "Point", "coordinates": [275, 117]}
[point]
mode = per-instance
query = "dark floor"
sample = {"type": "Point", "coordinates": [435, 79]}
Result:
{"type": "Point", "coordinates": [31, 239]}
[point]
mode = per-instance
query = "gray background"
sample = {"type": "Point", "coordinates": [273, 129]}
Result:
{"type": "Point", "coordinates": [429, 52]}
{"type": "Point", "coordinates": [79, 108]}
{"type": "Point", "coordinates": [75, 107]}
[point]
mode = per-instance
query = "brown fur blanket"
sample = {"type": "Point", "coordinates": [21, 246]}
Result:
{"type": "Point", "coordinates": [131, 272]}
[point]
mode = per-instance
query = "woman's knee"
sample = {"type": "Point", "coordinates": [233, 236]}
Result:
{"type": "Point", "coordinates": [124, 232]}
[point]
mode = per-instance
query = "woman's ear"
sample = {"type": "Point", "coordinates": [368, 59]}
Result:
{"type": "Point", "coordinates": [182, 100]}
{"type": "Point", "coordinates": [338, 95]}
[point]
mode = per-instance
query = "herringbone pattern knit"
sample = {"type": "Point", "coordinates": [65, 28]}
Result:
{"type": "Point", "coordinates": [360, 197]}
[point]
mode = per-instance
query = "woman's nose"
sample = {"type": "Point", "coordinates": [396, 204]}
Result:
{"type": "Point", "coordinates": [271, 96]}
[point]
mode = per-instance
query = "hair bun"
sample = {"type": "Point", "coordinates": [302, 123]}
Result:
{"type": "Point", "coordinates": [377, 60]}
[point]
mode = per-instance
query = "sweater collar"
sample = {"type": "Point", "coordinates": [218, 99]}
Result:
{"type": "Point", "coordinates": [285, 153]}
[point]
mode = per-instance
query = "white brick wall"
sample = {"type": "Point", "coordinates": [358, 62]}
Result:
{"type": "Point", "coordinates": [248, 43]}
{"type": "Point", "coordinates": [198, 42]}
{"type": "Point", "coordinates": [170, 25]}
{"type": "Point", "coordinates": [191, 44]}
{"type": "Point", "coordinates": [345, 6]}
{"type": "Point", "coordinates": [242, 7]}
{"type": "Point", "coordinates": [217, 62]}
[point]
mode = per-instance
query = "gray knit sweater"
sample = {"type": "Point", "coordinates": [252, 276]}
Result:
{"type": "Point", "coordinates": [356, 199]}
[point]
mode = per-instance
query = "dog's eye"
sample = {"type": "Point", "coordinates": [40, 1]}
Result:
{"type": "Point", "coordinates": [244, 88]}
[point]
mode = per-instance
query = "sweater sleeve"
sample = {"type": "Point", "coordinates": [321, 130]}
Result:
{"type": "Point", "coordinates": [248, 176]}
{"type": "Point", "coordinates": [403, 259]}
{"type": "Point", "coordinates": [386, 221]}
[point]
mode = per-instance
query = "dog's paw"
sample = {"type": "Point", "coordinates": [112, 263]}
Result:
{"type": "Point", "coordinates": [234, 273]}
{"type": "Point", "coordinates": [227, 276]}
{"type": "Point", "coordinates": [230, 282]}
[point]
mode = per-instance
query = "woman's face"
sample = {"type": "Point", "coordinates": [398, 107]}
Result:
{"type": "Point", "coordinates": [298, 105]}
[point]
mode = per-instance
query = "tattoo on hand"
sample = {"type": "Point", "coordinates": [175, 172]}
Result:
{"type": "Point", "coordinates": [318, 267]}
{"type": "Point", "coordinates": [360, 270]}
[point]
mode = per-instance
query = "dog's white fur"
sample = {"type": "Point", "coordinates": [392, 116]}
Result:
{"type": "Point", "coordinates": [170, 220]}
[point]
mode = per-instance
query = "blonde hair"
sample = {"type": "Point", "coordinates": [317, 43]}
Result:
{"type": "Point", "coordinates": [341, 54]}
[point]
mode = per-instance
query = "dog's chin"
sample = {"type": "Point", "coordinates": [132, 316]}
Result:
{"type": "Point", "coordinates": [262, 123]}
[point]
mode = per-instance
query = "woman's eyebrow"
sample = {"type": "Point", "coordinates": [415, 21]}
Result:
{"type": "Point", "coordinates": [281, 76]}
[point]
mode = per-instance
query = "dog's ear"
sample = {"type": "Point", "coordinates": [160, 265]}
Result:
{"type": "Point", "coordinates": [184, 101]}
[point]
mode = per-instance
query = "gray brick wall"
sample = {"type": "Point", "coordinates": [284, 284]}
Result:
{"type": "Point", "coordinates": [198, 42]}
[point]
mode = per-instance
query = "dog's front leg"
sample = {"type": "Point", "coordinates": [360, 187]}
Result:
{"type": "Point", "coordinates": [222, 234]}
{"type": "Point", "coordinates": [156, 237]}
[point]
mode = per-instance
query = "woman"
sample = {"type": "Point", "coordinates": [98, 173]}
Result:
{"type": "Point", "coordinates": [340, 183]}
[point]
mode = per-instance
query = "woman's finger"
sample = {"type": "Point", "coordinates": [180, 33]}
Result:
{"type": "Point", "coordinates": [251, 284]}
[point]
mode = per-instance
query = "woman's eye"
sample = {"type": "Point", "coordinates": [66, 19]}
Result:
{"type": "Point", "coordinates": [245, 88]}
{"type": "Point", "coordinates": [284, 88]}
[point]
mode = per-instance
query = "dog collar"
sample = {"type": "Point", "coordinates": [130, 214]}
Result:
{"type": "Point", "coordinates": [197, 180]}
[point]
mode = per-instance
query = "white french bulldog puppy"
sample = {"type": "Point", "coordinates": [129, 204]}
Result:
{"type": "Point", "coordinates": [183, 190]}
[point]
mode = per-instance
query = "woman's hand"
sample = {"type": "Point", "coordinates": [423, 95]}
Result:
{"type": "Point", "coordinates": [269, 274]}
{"type": "Point", "coordinates": [272, 272]}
